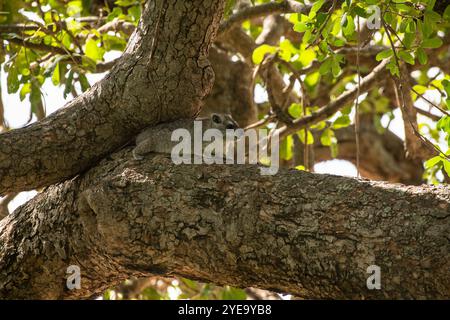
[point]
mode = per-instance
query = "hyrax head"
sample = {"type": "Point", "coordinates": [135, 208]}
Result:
{"type": "Point", "coordinates": [223, 122]}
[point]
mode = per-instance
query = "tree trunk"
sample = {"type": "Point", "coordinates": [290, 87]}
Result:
{"type": "Point", "coordinates": [306, 234]}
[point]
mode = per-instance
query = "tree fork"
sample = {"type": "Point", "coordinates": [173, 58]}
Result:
{"type": "Point", "coordinates": [163, 75]}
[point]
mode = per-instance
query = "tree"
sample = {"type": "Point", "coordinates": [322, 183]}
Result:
{"type": "Point", "coordinates": [307, 234]}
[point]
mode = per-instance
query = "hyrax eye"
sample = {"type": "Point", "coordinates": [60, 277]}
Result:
{"type": "Point", "coordinates": [216, 119]}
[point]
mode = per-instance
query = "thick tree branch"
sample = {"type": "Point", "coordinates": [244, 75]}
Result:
{"type": "Point", "coordinates": [163, 74]}
{"type": "Point", "coordinates": [307, 234]}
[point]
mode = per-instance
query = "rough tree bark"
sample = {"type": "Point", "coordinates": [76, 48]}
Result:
{"type": "Point", "coordinates": [307, 234]}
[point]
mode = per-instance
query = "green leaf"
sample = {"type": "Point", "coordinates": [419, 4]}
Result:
{"type": "Point", "coordinates": [111, 42]}
{"type": "Point", "coordinates": [13, 80]}
{"type": "Point", "coordinates": [309, 136]}
{"type": "Point", "coordinates": [360, 11]}
{"type": "Point", "coordinates": [428, 26]}
{"type": "Point", "coordinates": [432, 43]}
{"type": "Point", "coordinates": [325, 67]}
{"type": "Point", "coordinates": [408, 40]}
{"type": "Point", "coordinates": [411, 27]}
{"type": "Point", "coordinates": [433, 16]}
{"type": "Point", "coordinates": [295, 110]}
{"type": "Point", "coordinates": [88, 63]}
{"type": "Point", "coordinates": [446, 14]}
{"type": "Point", "coordinates": [446, 85]}
{"type": "Point", "coordinates": [422, 56]}
{"type": "Point", "coordinates": [135, 12]}
{"type": "Point", "coordinates": [335, 68]}
{"type": "Point", "coordinates": [307, 36]}
{"type": "Point", "coordinates": [349, 28]}
{"type": "Point", "coordinates": [446, 166]}
{"type": "Point", "coordinates": [56, 76]}
{"type": "Point", "coordinates": [83, 82]}
{"type": "Point", "coordinates": [312, 79]}
{"type": "Point", "coordinates": [336, 27]}
{"type": "Point", "coordinates": [326, 139]}
{"type": "Point", "coordinates": [287, 50]}
{"type": "Point", "coordinates": [341, 122]}
{"type": "Point", "coordinates": [393, 68]}
{"type": "Point", "coordinates": [50, 68]}
{"type": "Point", "coordinates": [301, 27]}
{"type": "Point", "coordinates": [286, 148]}
{"type": "Point", "coordinates": [260, 52]}
{"type": "Point", "coordinates": [420, 89]}
{"type": "Point", "coordinates": [306, 57]}
{"type": "Point", "coordinates": [69, 84]}
{"type": "Point", "coordinates": [407, 57]}
{"type": "Point", "coordinates": [233, 294]}
{"type": "Point", "coordinates": [93, 50]}
{"type": "Point", "coordinates": [74, 8]}
{"type": "Point", "coordinates": [403, 25]}
{"type": "Point", "coordinates": [115, 13]}
{"type": "Point", "coordinates": [432, 162]}
{"type": "Point", "coordinates": [315, 8]}
{"type": "Point", "coordinates": [444, 124]}
{"type": "Point", "coordinates": [384, 54]}
{"type": "Point", "coordinates": [26, 89]}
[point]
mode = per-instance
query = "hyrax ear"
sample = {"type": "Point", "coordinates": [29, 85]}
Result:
{"type": "Point", "coordinates": [216, 118]}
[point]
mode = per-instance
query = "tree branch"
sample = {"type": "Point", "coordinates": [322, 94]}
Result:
{"type": "Point", "coordinates": [228, 225]}
{"type": "Point", "coordinates": [19, 28]}
{"type": "Point", "coordinates": [286, 6]}
{"type": "Point", "coordinates": [343, 100]}
{"type": "Point", "coordinates": [37, 46]}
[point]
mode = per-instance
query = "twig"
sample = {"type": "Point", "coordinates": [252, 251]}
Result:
{"type": "Point", "coordinates": [319, 32]}
{"type": "Point", "coordinates": [428, 114]}
{"type": "Point", "coordinates": [430, 102]}
{"type": "Point", "coordinates": [35, 46]}
{"type": "Point", "coordinates": [286, 6]}
{"type": "Point", "coordinates": [402, 103]}
{"type": "Point", "coordinates": [269, 117]}
{"type": "Point", "coordinates": [276, 107]}
{"type": "Point", "coordinates": [344, 99]}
